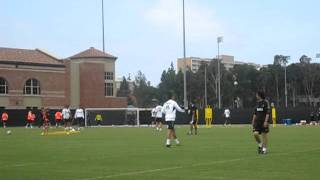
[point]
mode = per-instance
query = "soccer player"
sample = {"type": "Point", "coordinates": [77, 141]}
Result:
{"type": "Point", "coordinates": [158, 112]}
{"type": "Point", "coordinates": [58, 118]}
{"type": "Point", "coordinates": [227, 114]}
{"type": "Point", "coordinates": [66, 116]}
{"type": "Point", "coordinates": [153, 116]}
{"type": "Point", "coordinates": [192, 112]}
{"type": "Point", "coordinates": [98, 119]}
{"type": "Point", "coordinates": [30, 119]}
{"type": "Point", "coordinates": [260, 122]}
{"type": "Point", "coordinates": [79, 116]}
{"type": "Point", "coordinates": [4, 118]}
{"type": "Point", "coordinates": [169, 109]}
{"type": "Point", "coordinates": [46, 122]}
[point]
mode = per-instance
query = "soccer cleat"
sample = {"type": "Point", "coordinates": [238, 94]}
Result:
{"type": "Point", "coordinates": [264, 151]}
{"type": "Point", "coordinates": [259, 150]}
{"type": "Point", "coordinates": [168, 145]}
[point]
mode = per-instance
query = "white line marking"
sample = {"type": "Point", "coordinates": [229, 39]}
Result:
{"type": "Point", "coordinates": [133, 173]}
{"type": "Point", "coordinates": [194, 165]}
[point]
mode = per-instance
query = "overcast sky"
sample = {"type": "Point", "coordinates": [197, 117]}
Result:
{"type": "Point", "coordinates": [146, 35]}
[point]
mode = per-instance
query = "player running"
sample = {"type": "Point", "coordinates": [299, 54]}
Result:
{"type": "Point", "coordinates": [260, 122]}
{"type": "Point", "coordinates": [169, 109]}
{"type": "Point", "coordinates": [192, 112]}
{"type": "Point", "coordinates": [158, 111]}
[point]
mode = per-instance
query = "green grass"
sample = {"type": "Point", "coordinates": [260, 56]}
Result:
{"type": "Point", "coordinates": [139, 153]}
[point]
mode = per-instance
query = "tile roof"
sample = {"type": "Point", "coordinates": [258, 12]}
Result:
{"type": "Point", "coordinates": [36, 56]}
{"type": "Point", "coordinates": [92, 53]}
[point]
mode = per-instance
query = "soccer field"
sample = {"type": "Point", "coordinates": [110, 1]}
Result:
{"type": "Point", "coordinates": [220, 153]}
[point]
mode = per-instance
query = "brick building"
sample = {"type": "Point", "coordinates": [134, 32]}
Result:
{"type": "Point", "coordinates": [34, 78]}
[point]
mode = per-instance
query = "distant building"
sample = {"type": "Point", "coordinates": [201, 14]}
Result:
{"type": "Point", "coordinates": [194, 63]}
{"type": "Point", "coordinates": [35, 78]}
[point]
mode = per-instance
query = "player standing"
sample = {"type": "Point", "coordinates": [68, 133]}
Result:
{"type": "Point", "coordinates": [66, 115]}
{"type": "Point", "coordinates": [4, 118]}
{"type": "Point", "coordinates": [260, 122]}
{"type": "Point", "coordinates": [169, 109]}
{"type": "Point", "coordinates": [153, 116]}
{"type": "Point", "coordinates": [58, 117]}
{"type": "Point", "coordinates": [158, 112]}
{"type": "Point", "coordinates": [192, 112]}
{"type": "Point", "coordinates": [79, 116]}
{"type": "Point", "coordinates": [46, 122]}
{"type": "Point", "coordinates": [30, 119]}
{"type": "Point", "coordinates": [227, 115]}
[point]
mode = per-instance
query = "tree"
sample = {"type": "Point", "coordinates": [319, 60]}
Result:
{"type": "Point", "coordinates": [143, 91]}
{"type": "Point", "coordinates": [124, 90]}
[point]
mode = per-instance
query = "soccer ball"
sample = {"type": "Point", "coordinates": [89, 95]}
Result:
{"type": "Point", "coordinates": [9, 132]}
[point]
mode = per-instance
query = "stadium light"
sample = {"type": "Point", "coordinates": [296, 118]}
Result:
{"type": "Point", "coordinates": [185, 101]}
{"type": "Point", "coordinates": [219, 40]}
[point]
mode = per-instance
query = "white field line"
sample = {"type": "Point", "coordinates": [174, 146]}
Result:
{"type": "Point", "coordinates": [155, 170]}
{"type": "Point", "coordinates": [194, 165]}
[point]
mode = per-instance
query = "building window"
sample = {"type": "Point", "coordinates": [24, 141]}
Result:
{"type": "Point", "coordinates": [108, 89]}
{"type": "Point", "coordinates": [3, 86]}
{"type": "Point", "coordinates": [108, 76]}
{"type": "Point", "coordinates": [32, 87]}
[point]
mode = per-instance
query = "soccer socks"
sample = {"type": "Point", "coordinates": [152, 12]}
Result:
{"type": "Point", "coordinates": [260, 145]}
{"type": "Point", "coordinates": [177, 141]}
{"type": "Point", "coordinates": [168, 142]}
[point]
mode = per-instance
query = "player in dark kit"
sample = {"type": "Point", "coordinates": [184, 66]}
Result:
{"type": "Point", "coordinates": [260, 122]}
{"type": "Point", "coordinates": [192, 112]}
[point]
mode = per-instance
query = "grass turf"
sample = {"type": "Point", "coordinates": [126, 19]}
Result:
{"type": "Point", "coordinates": [220, 153]}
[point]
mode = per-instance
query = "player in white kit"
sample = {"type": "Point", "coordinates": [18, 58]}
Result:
{"type": "Point", "coordinates": [169, 109]}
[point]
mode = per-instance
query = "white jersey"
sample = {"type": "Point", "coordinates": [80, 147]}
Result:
{"type": "Point", "coordinates": [169, 109]}
{"type": "Point", "coordinates": [227, 113]}
{"type": "Point", "coordinates": [66, 113]}
{"type": "Point", "coordinates": [79, 113]}
{"type": "Point", "coordinates": [158, 111]}
{"type": "Point", "coordinates": [153, 112]}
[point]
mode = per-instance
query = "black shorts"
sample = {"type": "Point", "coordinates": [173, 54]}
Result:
{"type": "Point", "coordinates": [67, 120]}
{"type": "Point", "coordinates": [170, 124]}
{"type": "Point", "coordinates": [158, 119]}
{"type": "Point", "coordinates": [259, 127]}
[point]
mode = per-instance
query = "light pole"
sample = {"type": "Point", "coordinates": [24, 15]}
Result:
{"type": "Point", "coordinates": [285, 61]}
{"type": "Point", "coordinates": [102, 17]}
{"type": "Point", "coordinates": [205, 85]}
{"type": "Point", "coordinates": [219, 40]}
{"type": "Point", "coordinates": [185, 102]}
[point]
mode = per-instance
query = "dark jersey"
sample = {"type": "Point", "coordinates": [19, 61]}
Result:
{"type": "Point", "coordinates": [192, 111]}
{"type": "Point", "coordinates": [261, 110]}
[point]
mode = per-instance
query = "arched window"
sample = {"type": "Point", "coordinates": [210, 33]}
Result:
{"type": "Point", "coordinates": [32, 87]}
{"type": "Point", "coordinates": [3, 86]}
